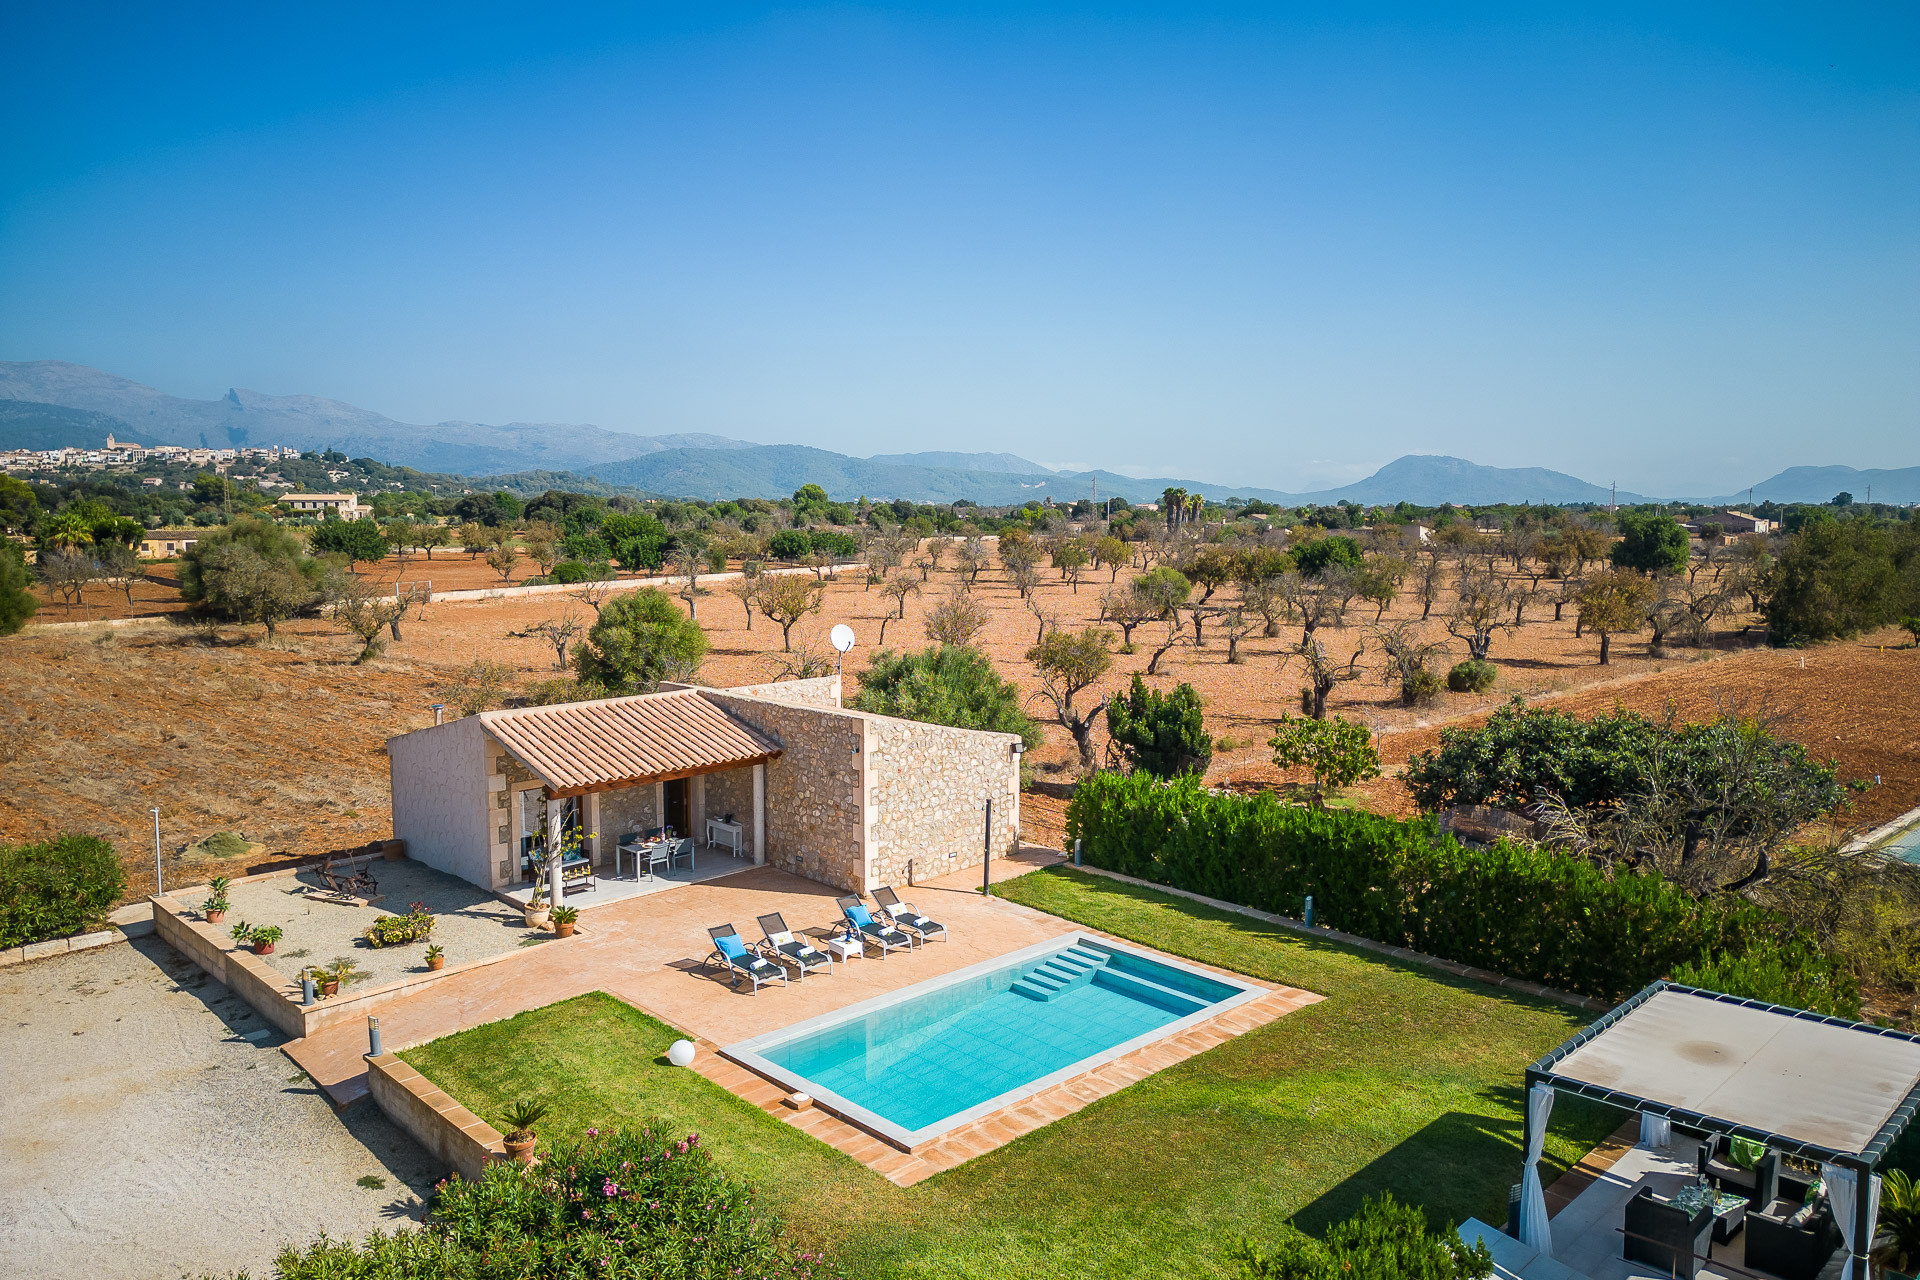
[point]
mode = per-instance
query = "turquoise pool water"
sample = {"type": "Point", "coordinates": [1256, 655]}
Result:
{"type": "Point", "coordinates": [939, 1053]}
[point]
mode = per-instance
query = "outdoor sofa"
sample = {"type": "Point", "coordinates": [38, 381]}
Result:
{"type": "Point", "coordinates": [1666, 1236]}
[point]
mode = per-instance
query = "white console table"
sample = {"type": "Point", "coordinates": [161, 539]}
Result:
{"type": "Point", "coordinates": [731, 834]}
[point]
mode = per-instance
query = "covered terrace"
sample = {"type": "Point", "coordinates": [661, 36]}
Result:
{"type": "Point", "coordinates": [656, 792]}
{"type": "Point", "coordinates": [1760, 1127]}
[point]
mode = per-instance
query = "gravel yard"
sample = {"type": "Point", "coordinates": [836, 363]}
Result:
{"type": "Point", "coordinates": [469, 922]}
{"type": "Point", "coordinates": [149, 1137]}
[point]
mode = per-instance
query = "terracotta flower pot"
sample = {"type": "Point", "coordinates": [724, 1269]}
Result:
{"type": "Point", "coordinates": [215, 917]}
{"type": "Point", "coordinates": [330, 988]}
{"type": "Point", "coordinates": [521, 1151]}
{"type": "Point", "coordinates": [564, 930]}
{"type": "Point", "coordinates": [263, 948]}
{"type": "Point", "coordinates": [436, 964]}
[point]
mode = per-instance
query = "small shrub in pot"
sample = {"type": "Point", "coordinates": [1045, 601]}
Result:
{"type": "Point", "coordinates": [217, 905]}
{"type": "Point", "coordinates": [263, 939]}
{"type": "Point", "coordinates": [436, 957]}
{"type": "Point", "coordinates": [520, 1117]}
{"type": "Point", "coordinates": [564, 918]}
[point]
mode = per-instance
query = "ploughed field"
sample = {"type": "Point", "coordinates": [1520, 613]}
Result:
{"type": "Point", "coordinates": [283, 741]}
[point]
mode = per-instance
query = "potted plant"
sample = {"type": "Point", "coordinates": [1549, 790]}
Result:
{"type": "Point", "coordinates": [520, 1137]}
{"type": "Point", "coordinates": [340, 972]}
{"type": "Point", "coordinates": [1897, 1242]}
{"type": "Point", "coordinates": [263, 939]}
{"type": "Point", "coordinates": [564, 918]}
{"type": "Point", "coordinates": [241, 933]}
{"type": "Point", "coordinates": [436, 958]}
{"type": "Point", "coordinates": [537, 907]}
{"type": "Point", "coordinates": [216, 906]}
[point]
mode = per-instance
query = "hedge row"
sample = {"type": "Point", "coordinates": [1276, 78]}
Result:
{"type": "Point", "coordinates": [56, 888]}
{"type": "Point", "coordinates": [1524, 912]}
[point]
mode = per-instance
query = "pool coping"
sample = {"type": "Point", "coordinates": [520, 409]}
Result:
{"type": "Point", "coordinates": [746, 1052]}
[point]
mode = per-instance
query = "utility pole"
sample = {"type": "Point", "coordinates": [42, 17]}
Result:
{"type": "Point", "coordinates": [1613, 499]}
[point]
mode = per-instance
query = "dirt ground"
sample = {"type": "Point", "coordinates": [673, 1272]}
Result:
{"type": "Point", "coordinates": [283, 741]}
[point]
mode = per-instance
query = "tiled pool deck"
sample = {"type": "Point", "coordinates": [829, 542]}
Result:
{"type": "Point", "coordinates": [647, 951]}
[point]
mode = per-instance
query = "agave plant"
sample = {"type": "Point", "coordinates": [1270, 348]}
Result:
{"type": "Point", "coordinates": [522, 1116]}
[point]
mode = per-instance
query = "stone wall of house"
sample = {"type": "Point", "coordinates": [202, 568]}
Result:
{"type": "Point", "coordinates": [625, 809]}
{"type": "Point", "coordinates": [823, 691]}
{"type": "Point", "coordinates": [815, 807]}
{"type": "Point", "coordinates": [927, 790]}
{"type": "Point", "coordinates": [505, 776]}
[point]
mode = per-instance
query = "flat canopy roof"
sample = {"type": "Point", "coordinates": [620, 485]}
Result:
{"type": "Point", "coordinates": [578, 747]}
{"type": "Point", "coordinates": [1822, 1085]}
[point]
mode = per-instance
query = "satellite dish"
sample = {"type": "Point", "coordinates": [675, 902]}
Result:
{"type": "Point", "coordinates": [841, 637]}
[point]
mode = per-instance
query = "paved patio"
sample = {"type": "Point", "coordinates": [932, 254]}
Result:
{"type": "Point", "coordinates": [648, 950]}
{"type": "Point", "coordinates": [469, 922]}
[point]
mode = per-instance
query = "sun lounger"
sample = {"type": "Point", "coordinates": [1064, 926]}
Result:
{"type": "Point", "coordinates": [731, 951]}
{"type": "Point", "coordinates": [860, 921]}
{"type": "Point", "coordinates": [781, 945]}
{"type": "Point", "coordinates": [906, 915]}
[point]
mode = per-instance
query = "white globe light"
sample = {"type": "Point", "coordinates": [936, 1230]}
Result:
{"type": "Point", "coordinates": [680, 1053]}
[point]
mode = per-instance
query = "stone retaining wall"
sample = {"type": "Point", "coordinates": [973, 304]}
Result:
{"type": "Point", "coordinates": [461, 1139]}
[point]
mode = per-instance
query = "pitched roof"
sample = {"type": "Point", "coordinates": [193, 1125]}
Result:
{"type": "Point", "coordinates": [576, 747]}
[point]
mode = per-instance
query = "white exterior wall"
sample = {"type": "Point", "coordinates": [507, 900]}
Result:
{"type": "Point", "coordinates": [440, 797]}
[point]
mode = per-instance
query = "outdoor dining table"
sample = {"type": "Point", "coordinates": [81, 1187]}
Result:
{"type": "Point", "coordinates": [651, 853]}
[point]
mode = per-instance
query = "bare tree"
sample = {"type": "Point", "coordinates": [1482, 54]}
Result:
{"type": "Point", "coordinates": [1126, 608]}
{"type": "Point", "coordinates": [69, 572]}
{"type": "Point", "coordinates": [1408, 653]}
{"type": "Point", "coordinates": [592, 594]}
{"type": "Point", "coordinates": [1237, 624]}
{"type": "Point", "coordinates": [1429, 578]}
{"type": "Point", "coordinates": [930, 558]}
{"type": "Point", "coordinates": [1025, 578]}
{"type": "Point", "coordinates": [1318, 601]}
{"type": "Point", "coordinates": [804, 663]}
{"type": "Point", "coordinates": [542, 543]}
{"type": "Point", "coordinates": [971, 560]}
{"type": "Point", "coordinates": [363, 611]}
{"type": "Point", "coordinates": [1047, 621]}
{"type": "Point", "coordinates": [1322, 673]}
{"type": "Point", "coordinates": [478, 686]}
{"type": "Point", "coordinates": [746, 588]}
{"type": "Point", "coordinates": [688, 560]}
{"type": "Point", "coordinates": [1481, 601]}
{"type": "Point", "coordinates": [413, 594]}
{"type": "Point", "coordinates": [1176, 633]}
{"type": "Point", "coordinates": [899, 585]}
{"type": "Point", "coordinates": [557, 632]}
{"type": "Point", "coordinates": [120, 568]}
{"type": "Point", "coordinates": [956, 620]}
{"type": "Point", "coordinates": [1265, 597]}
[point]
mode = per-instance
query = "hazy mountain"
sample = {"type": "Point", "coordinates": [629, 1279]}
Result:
{"type": "Point", "coordinates": [1822, 484]}
{"type": "Point", "coordinates": [28, 424]}
{"type": "Point", "coordinates": [1008, 463]}
{"type": "Point", "coordinates": [309, 422]}
{"type": "Point", "coordinates": [1428, 480]}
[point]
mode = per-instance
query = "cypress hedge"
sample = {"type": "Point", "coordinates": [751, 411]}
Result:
{"type": "Point", "coordinates": [1528, 913]}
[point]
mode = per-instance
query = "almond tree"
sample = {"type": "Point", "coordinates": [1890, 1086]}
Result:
{"type": "Point", "coordinates": [1067, 663]}
{"type": "Point", "coordinates": [786, 598]}
{"type": "Point", "coordinates": [1613, 602]}
{"type": "Point", "coordinates": [956, 620]}
{"type": "Point", "coordinates": [1481, 601]}
{"type": "Point", "coordinates": [558, 632]}
{"type": "Point", "coordinates": [898, 586]}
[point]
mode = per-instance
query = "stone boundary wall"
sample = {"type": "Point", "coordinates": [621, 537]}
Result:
{"type": "Point", "coordinates": [927, 788]}
{"type": "Point", "coordinates": [615, 584]}
{"type": "Point", "coordinates": [816, 806]}
{"type": "Point", "coordinates": [462, 1140]}
{"type": "Point", "coordinates": [1487, 976]}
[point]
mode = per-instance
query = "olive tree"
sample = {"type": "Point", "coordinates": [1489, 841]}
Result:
{"type": "Point", "coordinates": [640, 640]}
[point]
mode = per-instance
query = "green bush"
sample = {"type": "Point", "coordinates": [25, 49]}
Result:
{"type": "Point", "coordinates": [1386, 1240]}
{"type": "Point", "coordinates": [17, 601]}
{"type": "Point", "coordinates": [1472, 676]}
{"type": "Point", "coordinates": [1529, 913]}
{"type": "Point", "coordinates": [56, 888]}
{"type": "Point", "coordinates": [571, 571]}
{"type": "Point", "coordinates": [639, 640]}
{"type": "Point", "coordinates": [840, 545]}
{"type": "Point", "coordinates": [789, 544]}
{"type": "Point", "coordinates": [944, 684]}
{"type": "Point", "coordinates": [623, 1206]}
{"type": "Point", "coordinates": [1421, 688]}
{"type": "Point", "coordinates": [1160, 733]}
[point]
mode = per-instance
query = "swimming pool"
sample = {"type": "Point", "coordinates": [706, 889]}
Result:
{"type": "Point", "coordinates": [911, 1065]}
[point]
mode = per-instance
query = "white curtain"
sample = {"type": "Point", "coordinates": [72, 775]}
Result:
{"type": "Point", "coordinates": [1655, 1131]}
{"type": "Point", "coordinates": [1534, 1231]}
{"type": "Point", "coordinates": [1842, 1186]}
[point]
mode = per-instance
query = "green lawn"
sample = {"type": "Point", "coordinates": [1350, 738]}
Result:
{"type": "Point", "coordinates": [1402, 1079]}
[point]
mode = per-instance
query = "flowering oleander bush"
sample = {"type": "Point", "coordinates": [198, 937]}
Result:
{"type": "Point", "coordinates": [623, 1205]}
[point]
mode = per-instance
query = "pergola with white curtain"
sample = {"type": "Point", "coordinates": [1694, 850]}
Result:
{"type": "Point", "coordinates": [1820, 1088]}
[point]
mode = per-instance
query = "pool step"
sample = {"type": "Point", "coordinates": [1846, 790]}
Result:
{"type": "Point", "coordinates": [1059, 974]}
{"type": "Point", "coordinates": [1153, 993]}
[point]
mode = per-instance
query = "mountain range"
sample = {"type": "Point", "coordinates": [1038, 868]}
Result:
{"type": "Point", "coordinates": [48, 402]}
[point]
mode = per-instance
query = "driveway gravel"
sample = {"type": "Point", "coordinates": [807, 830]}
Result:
{"type": "Point", "coordinates": [153, 1129]}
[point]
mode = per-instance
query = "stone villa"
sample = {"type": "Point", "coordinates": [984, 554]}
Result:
{"type": "Point", "coordinates": [842, 797]}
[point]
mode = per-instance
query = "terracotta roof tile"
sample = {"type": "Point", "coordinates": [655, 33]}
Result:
{"type": "Point", "coordinates": [588, 746]}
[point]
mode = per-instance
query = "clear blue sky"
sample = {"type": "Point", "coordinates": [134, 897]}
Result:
{"type": "Point", "coordinates": [1674, 246]}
